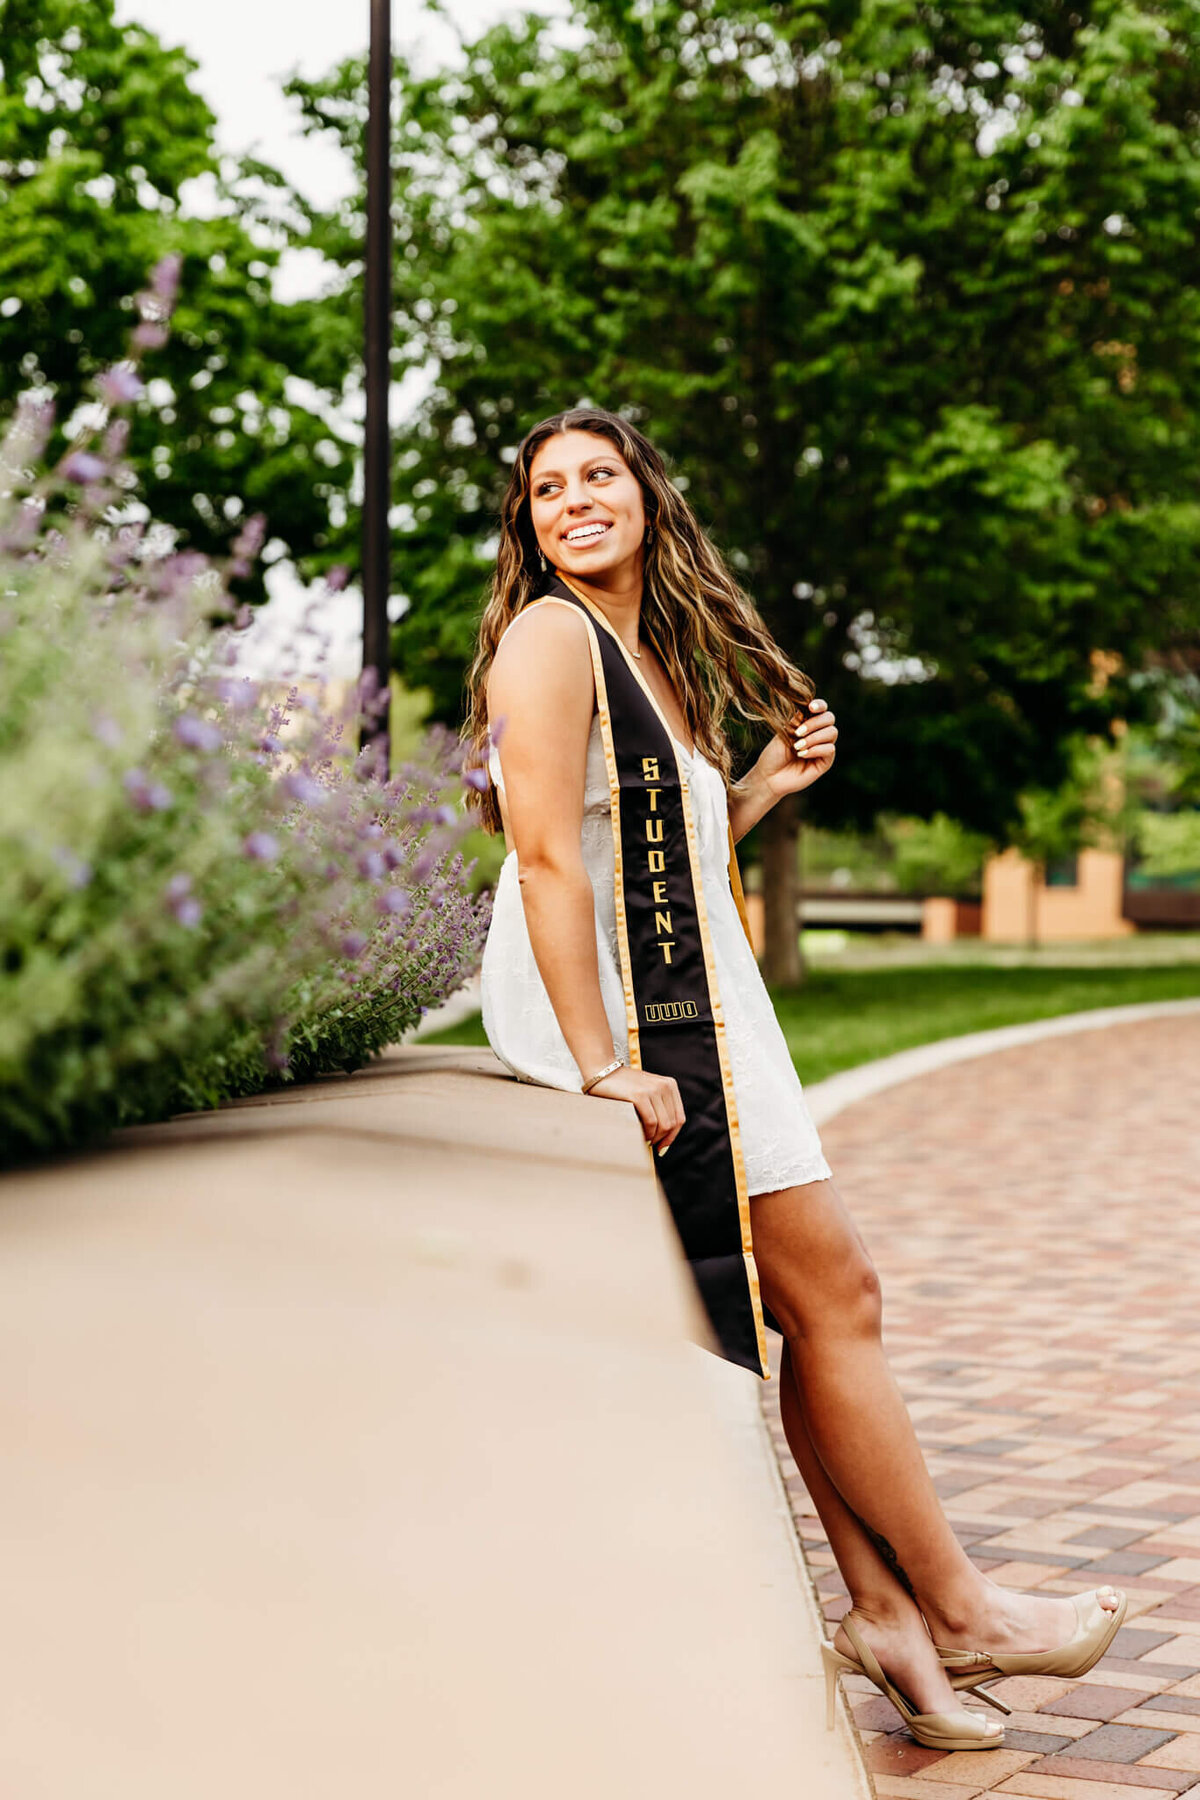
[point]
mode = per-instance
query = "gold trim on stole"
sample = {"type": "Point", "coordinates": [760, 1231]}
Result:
{"type": "Point", "coordinates": [735, 882]}
{"type": "Point", "coordinates": [714, 992]}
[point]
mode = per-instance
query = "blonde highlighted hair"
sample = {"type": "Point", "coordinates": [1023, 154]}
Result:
{"type": "Point", "coordinates": [708, 633]}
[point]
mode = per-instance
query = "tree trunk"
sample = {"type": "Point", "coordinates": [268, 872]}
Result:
{"type": "Point", "coordinates": [782, 965]}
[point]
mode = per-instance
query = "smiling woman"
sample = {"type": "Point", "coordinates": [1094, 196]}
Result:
{"type": "Point", "coordinates": [614, 644]}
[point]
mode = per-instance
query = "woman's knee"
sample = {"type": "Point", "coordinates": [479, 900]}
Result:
{"type": "Point", "coordinates": [845, 1300]}
{"type": "Point", "coordinates": [815, 1271]}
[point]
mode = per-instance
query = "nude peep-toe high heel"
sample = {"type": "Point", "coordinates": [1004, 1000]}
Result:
{"type": "Point", "coordinates": [937, 1731]}
{"type": "Point", "coordinates": [1094, 1632]}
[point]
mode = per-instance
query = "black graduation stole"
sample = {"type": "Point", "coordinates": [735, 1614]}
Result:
{"type": "Point", "coordinates": [673, 1008]}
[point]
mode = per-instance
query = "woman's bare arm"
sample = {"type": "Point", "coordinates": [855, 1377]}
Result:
{"type": "Point", "coordinates": [540, 701]}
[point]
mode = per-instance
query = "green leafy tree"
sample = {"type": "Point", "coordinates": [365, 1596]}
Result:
{"type": "Point", "coordinates": [910, 293]}
{"type": "Point", "coordinates": [100, 133]}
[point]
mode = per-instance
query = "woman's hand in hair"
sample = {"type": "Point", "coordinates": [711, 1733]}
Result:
{"type": "Point", "coordinates": [656, 1098]}
{"type": "Point", "coordinates": [787, 765]}
{"type": "Point", "coordinates": [790, 764]}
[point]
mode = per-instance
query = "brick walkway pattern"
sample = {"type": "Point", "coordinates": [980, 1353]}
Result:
{"type": "Point", "coordinates": [1035, 1218]}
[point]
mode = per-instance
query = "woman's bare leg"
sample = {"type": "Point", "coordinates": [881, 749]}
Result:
{"type": "Point", "coordinates": [885, 1609]}
{"type": "Point", "coordinates": [819, 1282]}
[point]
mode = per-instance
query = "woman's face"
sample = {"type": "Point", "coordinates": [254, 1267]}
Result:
{"type": "Point", "coordinates": [586, 505]}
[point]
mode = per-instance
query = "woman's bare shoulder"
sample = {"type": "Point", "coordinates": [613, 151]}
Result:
{"type": "Point", "coordinates": [547, 639]}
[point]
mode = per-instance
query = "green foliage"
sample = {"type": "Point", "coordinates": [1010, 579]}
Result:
{"type": "Point", "coordinates": [846, 1017]}
{"type": "Point", "coordinates": [1169, 845]}
{"type": "Point", "coordinates": [845, 859]}
{"type": "Point", "coordinates": [100, 134]}
{"type": "Point", "coordinates": [202, 890]}
{"type": "Point", "coordinates": [1089, 807]}
{"type": "Point", "coordinates": [910, 294]}
{"type": "Point", "coordinates": [912, 856]}
{"type": "Point", "coordinates": [937, 856]}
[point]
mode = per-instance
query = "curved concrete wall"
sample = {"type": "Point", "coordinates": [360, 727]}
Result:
{"type": "Point", "coordinates": [352, 1445]}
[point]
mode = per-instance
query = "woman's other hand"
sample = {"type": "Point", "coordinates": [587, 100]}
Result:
{"type": "Point", "coordinates": [788, 765]}
{"type": "Point", "coordinates": [656, 1098]}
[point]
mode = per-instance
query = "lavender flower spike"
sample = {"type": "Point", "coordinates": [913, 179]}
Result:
{"type": "Point", "coordinates": [120, 385]}
{"type": "Point", "coordinates": [164, 279]}
{"type": "Point", "coordinates": [146, 795]}
{"type": "Point", "coordinates": [197, 734]}
{"type": "Point", "coordinates": [83, 467]}
{"type": "Point", "coordinates": [261, 846]}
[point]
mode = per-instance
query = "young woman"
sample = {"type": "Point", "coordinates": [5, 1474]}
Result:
{"type": "Point", "coordinates": [614, 643]}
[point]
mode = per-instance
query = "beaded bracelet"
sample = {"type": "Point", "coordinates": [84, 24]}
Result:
{"type": "Point", "coordinates": [609, 1069]}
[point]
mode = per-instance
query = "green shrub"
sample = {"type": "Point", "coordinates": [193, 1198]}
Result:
{"type": "Point", "coordinates": [203, 889]}
{"type": "Point", "coordinates": [1169, 844]}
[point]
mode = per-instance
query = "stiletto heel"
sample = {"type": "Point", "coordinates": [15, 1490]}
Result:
{"type": "Point", "coordinates": [833, 1660]}
{"type": "Point", "coordinates": [964, 1730]}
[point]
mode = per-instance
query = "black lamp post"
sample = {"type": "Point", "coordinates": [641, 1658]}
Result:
{"type": "Point", "coordinates": [377, 283]}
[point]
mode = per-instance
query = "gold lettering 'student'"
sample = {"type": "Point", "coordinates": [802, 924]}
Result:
{"type": "Point", "coordinates": [656, 861]}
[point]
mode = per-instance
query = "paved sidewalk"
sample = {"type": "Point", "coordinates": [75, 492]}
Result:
{"type": "Point", "coordinates": [1035, 1217]}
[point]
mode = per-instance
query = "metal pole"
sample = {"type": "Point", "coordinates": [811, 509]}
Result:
{"type": "Point", "coordinates": [377, 284]}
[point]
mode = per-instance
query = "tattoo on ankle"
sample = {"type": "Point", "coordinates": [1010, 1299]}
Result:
{"type": "Point", "coordinates": [890, 1558]}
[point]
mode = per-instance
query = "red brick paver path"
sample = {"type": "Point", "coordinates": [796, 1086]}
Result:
{"type": "Point", "coordinates": [1035, 1217]}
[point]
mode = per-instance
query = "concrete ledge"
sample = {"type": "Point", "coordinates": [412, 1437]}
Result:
{"type": "Point", "coordinates": [352, 1444]}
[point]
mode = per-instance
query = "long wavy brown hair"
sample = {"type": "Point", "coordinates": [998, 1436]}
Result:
{"type": "Point", "coordinates": [708, 633]}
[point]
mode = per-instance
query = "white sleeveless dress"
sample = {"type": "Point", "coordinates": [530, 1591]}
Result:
{"type": "Point", "coordinates": [779, 1140]}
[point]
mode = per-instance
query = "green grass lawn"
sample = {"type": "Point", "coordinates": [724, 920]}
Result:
{"type": "Point", "coordinates": [843, 1017]}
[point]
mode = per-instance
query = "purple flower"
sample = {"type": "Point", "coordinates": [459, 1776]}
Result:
{"type": "Point", "coordinates": [300, 786]}
{"type": "Point", "coordinates": [337, 577]}
{"type": "Point", "coordinates": [394, 901]}
{"type": "Point", "coordinates": [476, 778]}
{"type": "Point", "coordinates": [188, 911]}
{"type": "Point", "coordinates": [260, 846]}
{"type": "Point", "coordinates": [146, 795]}
{"type": "Point", "coordinates": [32, 427]}
{"type": "Point", "coordinates": [149, 336]}
{"type": "Point", "coordinates": [270, 743]}
{"type": "Point", "coordinates": [238, 694]}
{"type": "Point", "coordinates": [176, 572]}
{"type": "Point", "coordinates": [77, 872]}
{"type": "Point", "coordinates": [164, 278]}
{"type": "Point", "coordinates": [446, 815]}
{"type": "Point", "coordinates": [353, 943]}
{"type": "Point", "coordinates": [121, 385]}
{"type": "Point", "coordinates": [105, 727]}
{"type": "Point", "coordinates": [249, 540]}
{"type": "Point", "coordinates": [177, 887]}
{"type": "Point", "coordinates": [125, 546]}
{"type": "Point", "coordinates": [116, 440]}
{"type": "Point", "coordinates": [197, 734]}
{"type": "Point", "coordinates": [371, 866]}
{"type": "Point", "coordinates": [82, 466]}
{"type": "Point", "coordinates": [24, 528]}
